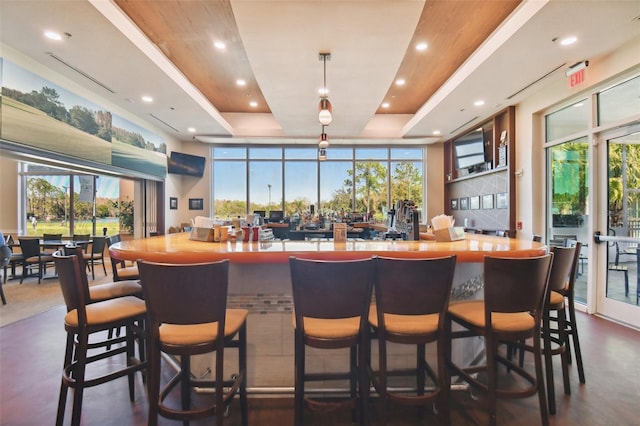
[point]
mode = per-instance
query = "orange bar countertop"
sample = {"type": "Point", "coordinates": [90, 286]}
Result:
{"type": "Point", "coordinates": [178, 248]}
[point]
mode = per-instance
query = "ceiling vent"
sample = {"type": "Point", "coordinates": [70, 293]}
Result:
{"type": "Point", "coordinates": [165, 123]}
{"type": "Point", "coordinates": [536, 81]}
{"type": "Point", "coordinates": [79, 71]}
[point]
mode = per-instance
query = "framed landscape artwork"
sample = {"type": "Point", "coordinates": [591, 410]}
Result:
{"type": "Point", "coordinates": [487, 201]}
{"type": "Point", "coordinates": [502, 201]}
{"type": "Point", "coordinates": [196, 204]}
{"type": "Point", "coordinates": [464, 203]}
{"type": "Point", "coordinates": [474, 202]}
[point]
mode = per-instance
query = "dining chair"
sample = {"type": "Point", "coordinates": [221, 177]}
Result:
{"type": "Point", "coordinates": [85, 324]}
{"type": "Point", "coordinates": [32, 256]}
{"type": "Point", "coordinates": [411, 300]}
{"type": "Point", "coordinates": [5, 259]}
{"type": "Point", "coordinates": [51, 242]}
{"type": "Point", "coordinates": [515, 291]}
{"type": "Point", "coordinates": [331, 307]}
{"type": "Point", "coordinates": [187, 315]}
{"type": "Point", "coordinates": [96, 256]}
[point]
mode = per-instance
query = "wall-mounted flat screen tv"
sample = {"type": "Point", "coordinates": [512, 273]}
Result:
{"type": "Point", "coordinates": [469, 150]}
{"type": "Point", "coordinates": [185, 164]}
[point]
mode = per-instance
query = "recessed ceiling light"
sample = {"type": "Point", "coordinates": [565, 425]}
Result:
{"type": "Point", "coordinates": [191, 129]}
{"type": "Point", "coordinates": [479, 102]}
{"type": "Point", "coordinates": [568, 40]}
{"type": "Point", "coordinates": [385, 105]}
{"type": "Point", "coordinates": [147, 99]}
{"type": "Point", "coordinates": [53, 35]}
{"type": "Point", "coordinates": [400, 82]}
{"type": "Point", "coordinates": [220, 45]}
{"type": "Point", "coordinates": [253, 104]}
{"type": "Point", "coordinates": [436, 132]}
{"type": "Point", "coordinates": [241, 82]}
{"type": "Point", "coordinates": [421, 46]}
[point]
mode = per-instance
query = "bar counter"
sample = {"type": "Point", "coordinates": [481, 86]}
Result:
{"type": "Point", "coordinates": [260, 281]}
{"type": "Point", "coordinates": [178, 248]}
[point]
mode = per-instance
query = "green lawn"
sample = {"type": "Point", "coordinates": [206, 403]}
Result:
{"type": "Point", "coordinates": [81, 227]}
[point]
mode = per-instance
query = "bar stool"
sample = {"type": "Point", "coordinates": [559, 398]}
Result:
{"type": "Point", "coordinates": [515, 291]}
{"type": "Point", "coordinates": [564, 263]}
{"type": "Point", "coordinates": [121, 270]}
{"type": "Point", "coordinates": [412, 296]}
{"type": "Point", "coordinates": [109, 290]}
{"type": "Point", "coordinates": [84, 319]}
{"type": "Point", "coordinates": [331, 306]}
{"type": "Point", "coordinates": [187, 315]}
{"type": "Point", "coordinates": [571, 323]}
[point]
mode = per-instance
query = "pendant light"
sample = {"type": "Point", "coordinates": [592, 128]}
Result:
{"type": "Point", "coordinates": [324, 108]}
{"type": "Point", "coordinates": [323, 140]}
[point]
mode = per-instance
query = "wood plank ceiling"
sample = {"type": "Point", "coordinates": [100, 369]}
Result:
{"type": "Point", "coordinates": [185, 31]}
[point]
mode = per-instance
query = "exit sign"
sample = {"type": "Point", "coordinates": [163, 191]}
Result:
{"type": "Point", "coordinates": [577, 78]}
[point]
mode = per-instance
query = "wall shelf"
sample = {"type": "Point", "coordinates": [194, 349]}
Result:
{"type": "Point", "coordinates": [496, 175]}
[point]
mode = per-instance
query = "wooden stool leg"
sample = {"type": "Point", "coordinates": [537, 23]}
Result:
{"type": "Point", "coordinates": [153, 383]}
{"type": "Point", "coordinates": [78, 376]}
{"type": "Point", "coordinates": [548, 360]}
{"type": "Point", "coordinates": [242, 362]}
{"type": "Point", "coordinates": [576, 342]}
{"type": "Point", "coordinates": [62, 401]}
{"type": "Point", "coordinates": [564, 338]}
{"type": "Point", "coordinates": [299, 380]}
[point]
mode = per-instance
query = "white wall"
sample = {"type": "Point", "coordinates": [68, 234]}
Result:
{"type": "Point", "coordinates": [185, 187]}
{"type": "Point", "coordinates": [8, 195]}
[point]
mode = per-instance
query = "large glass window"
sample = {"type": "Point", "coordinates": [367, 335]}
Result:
{"type": "Point", "coordinates": [292, 179]}
{"type": "Point", "coordinates": [619, 102]}
{"type": "Point", "coordinates": [230, 189]}
{"type": "Point", "coordinates": [567, 121]}
{"type": "Point", "coordinates": [265, 185]}
{"type": "Point", "coordinates": [58, 202]}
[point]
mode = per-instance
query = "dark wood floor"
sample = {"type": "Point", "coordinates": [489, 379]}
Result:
{"type": "Point", "coordinates": [31, 353]}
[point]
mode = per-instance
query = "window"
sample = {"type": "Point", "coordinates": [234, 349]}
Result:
{"type": "Point", "coordinates": [567, 121]}
{"type": "Point", "coordinates": [290, 178]}
{"type": "Point", "coordinates": [619, 102]}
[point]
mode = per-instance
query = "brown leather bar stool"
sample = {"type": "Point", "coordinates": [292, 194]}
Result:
{"type": "Point", "coordinates": [331, 306]}
{"type": "Point", "coordinates": [563, 267]}
{"type": "Point", "coordinates": [121, 270]}
{"type": "Point", "coordinates": [109, 290]}
{"type": "Point", "coordinates": [86, 319]}
{"type": "Point", "coordinates": [515, 291]}
{"type": "Point", "coordinates": [569, 306]}
{"type": "Point", "coordinates": [412, 297]}
{"type": "Point", "coordinates": [187, 315]}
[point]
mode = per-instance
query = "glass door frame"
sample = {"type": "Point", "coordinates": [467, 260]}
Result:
{"type": "Point", "coordinates": [619, 311]}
